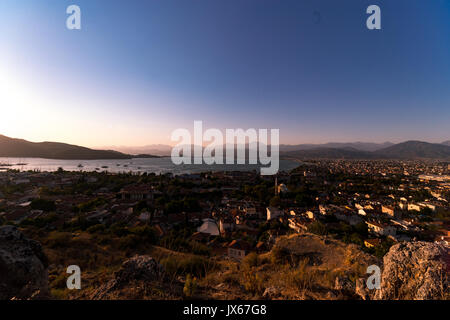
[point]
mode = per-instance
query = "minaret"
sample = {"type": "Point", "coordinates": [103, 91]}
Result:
{"type": "Point", "coordinates": [276, 185]}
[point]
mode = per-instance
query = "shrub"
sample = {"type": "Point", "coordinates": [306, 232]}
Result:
{"type": "Point", "coordinates": [98, 228]}
{"type": "Point", "coordinates": [190, 286]}
{"type": "Point", "coordinates": [145, 234]}
{"type": "Point", "coordinates": [130, 241]}
{"type": "Point", "coordinates": [253, 282]}
{"type": "Point", "coordinates": [251, 260]}
{"type": "Point", "coordinates": [42, 204]}
{"type": "Point", "coordinates": [40, 222]}
{"type": "Point", "coordinates": [304, 277]}
{"type": "Point", "coordinates": [280, 255]}
{"type": "Point", "coordinates": [197, 266]}
{"type": "Point", "coordinates": [59, 240]}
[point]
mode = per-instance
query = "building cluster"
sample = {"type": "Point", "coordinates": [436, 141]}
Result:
{"type": "Point", "coordinates": [235, 213]}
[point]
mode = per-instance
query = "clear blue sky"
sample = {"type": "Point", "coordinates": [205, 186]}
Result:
{"type": "Point", "coordinates": [140, 69]}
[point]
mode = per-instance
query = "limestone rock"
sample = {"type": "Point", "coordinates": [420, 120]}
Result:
{"type": "Point", "coordinates": [23, 266]}
{"type": "Point", "coordinates": [137, 269]}
{"type": "Point", "coordinates": [361, 289]}
{"type": "Point", "coordinates": [415, 270]}
{"type": "Point", "coordinates": [271, 293]}
{"type": "Point", "coordinates": [343, 283]}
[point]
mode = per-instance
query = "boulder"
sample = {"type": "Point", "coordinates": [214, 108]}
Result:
{"type": "Point", "coordinates": [138, 268]}
{"type": "Point", "coordinates": [271, 293]}
{"type": "Point", "coordinates": [415, 270]}
{"type": "Point", "coordinates": [23, 266]}
{"type": "Point", "coordinates": [361, 289]}
{"type": "Point", "coordinates": [343, 283]}
{"type": "Point", "coordinates": [142, 269]}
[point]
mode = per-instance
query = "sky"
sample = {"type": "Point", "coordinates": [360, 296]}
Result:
{"type": "Point", "coordinates": [138, 70]}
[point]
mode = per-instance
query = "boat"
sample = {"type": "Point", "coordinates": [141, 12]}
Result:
{"type": "Point", "coordinates": [105, 167]}
{"type": "Point", "coordinates": [80, 166]}
{"type": "Point", "coordinates": [5, 165]}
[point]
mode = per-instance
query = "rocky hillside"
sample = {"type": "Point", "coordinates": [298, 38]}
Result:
{"type": "Point", "coordinates": [299, 266]}
{"type": "Point", "coordinates": [19, 148]}
{"type": "Point", "coordinates": [23, 267]}
{"type": "Point", "coordinates": [417, 270]}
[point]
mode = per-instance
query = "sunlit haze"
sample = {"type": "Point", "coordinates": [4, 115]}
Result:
{"type": "Point", "coordinates": [139, 70]}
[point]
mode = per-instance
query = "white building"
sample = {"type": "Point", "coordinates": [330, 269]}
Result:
{"type": "Point", "coordinates": [381, 229]}
{"type": "Point", "coordinates": [428, 205]}
{"type": "Point", "coordinates": [209, 226]}
{"type": "Point", "coordinates": [362, 212]}
{"type": "Point", "coordinates": [412, 206]}
{"type": "Point", "coordinates": [388, 210]}
{"type": "Point", "coordinates": [273, 213]}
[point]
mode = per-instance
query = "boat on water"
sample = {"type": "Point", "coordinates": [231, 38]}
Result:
{"type": "Point", "coordinates": [105, 167]}
{"type": "Point", "coordinates": [80, 166]}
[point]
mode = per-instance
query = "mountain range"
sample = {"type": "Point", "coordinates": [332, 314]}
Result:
{"type": "Point", "coordinates": [404, 150]}
{"type": "Point", "coordinates": [155, 149]}
{"type": "Point", "coordinates": [361, 146]}
{"type": "Point", "coordinates": [11, 147]}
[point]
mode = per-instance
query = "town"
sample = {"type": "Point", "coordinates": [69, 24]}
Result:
{"type": "Point", "coordinates": [228, 215]}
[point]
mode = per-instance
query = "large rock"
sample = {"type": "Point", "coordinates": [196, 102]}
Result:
{"type": "Point", "coordinates": [138, 268]}
{"type": "Point", "coordinates": [141, 269]}
{"type": "Point", "coordinates": [343, 283]}
{"type": "Point", "coordinates": [23, 266]}
{"type": "Point", "coordinates": [361, 289]}
{"type": "Point", "coordinates": [415, 270]}
{"type": "Point", "coordinates": [271, 293]}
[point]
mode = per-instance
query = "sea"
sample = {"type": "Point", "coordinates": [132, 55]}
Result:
{"type": "Point", "coordinates": [136, 165]}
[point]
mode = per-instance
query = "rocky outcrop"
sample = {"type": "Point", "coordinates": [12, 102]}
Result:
{"type": "Point", "coordinates": [415, 270]}
{"type": "Point", "coordinates": [361, 289]}
{"type": "Point", "coordinates": [271, 293]}
{"type": "Point", "coordinates": [138, 271]}
{"type": "Point", "coordinates": [23, 266]}
{"type": "Point", "coordinates": [343, 283]}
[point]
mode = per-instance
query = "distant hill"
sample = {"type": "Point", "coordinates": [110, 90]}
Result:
{"type": "Point", "coordinates": [154, 149]}
{"type": "Point", "coordinates": [414, 150]}
{"type": "Point", "coordinates": [405, 150]}
{"type": "Point", "coordinates": [446, 143]}
{"type": "Point", "coordinates": [165, 150]}
{"type": "Point", "coordinates": [145, 156]}
{"type": "Point", "coordinates": [10, 147]}
{"type": "Point", "coordinates": [328, 153]}
{"type": "Point", "coordinates": [361, 146]}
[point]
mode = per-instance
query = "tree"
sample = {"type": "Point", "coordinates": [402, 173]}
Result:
{"type": "Point", "coordinates": [318, 228]}
{"type": "Point", "coordinates": [275, 201]}
{"type": "Point", "coordinates": [190, 286]}
{"type": "Point", "coordinates": [42, 204]}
